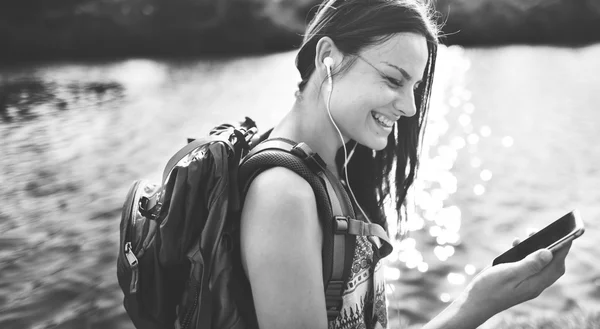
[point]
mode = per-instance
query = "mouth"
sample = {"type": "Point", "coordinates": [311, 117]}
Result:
{"type": "Point", "coordinates": [382, 120]}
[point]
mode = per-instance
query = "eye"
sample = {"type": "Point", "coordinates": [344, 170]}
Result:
{"type": "Point", "coordinates": [394, 82]}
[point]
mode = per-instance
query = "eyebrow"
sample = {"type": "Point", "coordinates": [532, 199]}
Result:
{"type": "Point", "coordinates": [401, 70]}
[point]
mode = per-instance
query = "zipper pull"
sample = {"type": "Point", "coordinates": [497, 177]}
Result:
{"type": "Point", "coordinates": [133, 286]}
{"type": "Point", "coordinates": [130, 255]}
{"type": "Point", "coordinates": [133, 263]}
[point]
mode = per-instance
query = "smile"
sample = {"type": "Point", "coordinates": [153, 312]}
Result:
{"type": "Point", "coordinates": [382, 120]}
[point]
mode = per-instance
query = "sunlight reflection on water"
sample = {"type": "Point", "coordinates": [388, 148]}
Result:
{"type": "Point", "coordinates": [433, 217]}
{"type": "Point", "coordinates": [426, 208]}
{"type": "Point", "coordinates": [96, 127]}
{"type": "Point", "coordinates": [488, 162]}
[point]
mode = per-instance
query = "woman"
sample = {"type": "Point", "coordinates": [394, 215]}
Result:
{"type": "Point", "coordinates": [367, 68]}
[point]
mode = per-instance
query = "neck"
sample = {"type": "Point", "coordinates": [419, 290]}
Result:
{"type": "Point", "coordinates": [309, 122]}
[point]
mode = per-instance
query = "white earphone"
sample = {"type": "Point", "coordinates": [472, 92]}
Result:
{"type": "Point", "coordinates": [328, 61]}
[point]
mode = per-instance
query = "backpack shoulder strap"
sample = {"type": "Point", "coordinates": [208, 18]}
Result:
{"type": "Point", "coordinates": [333, 204]}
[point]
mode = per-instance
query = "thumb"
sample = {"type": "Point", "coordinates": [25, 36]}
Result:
{"type": "Point", "coordinates": [536, 261]}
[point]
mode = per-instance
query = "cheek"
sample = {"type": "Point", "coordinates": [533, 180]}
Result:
{"type": "Point", "coordinates": [351, 104]}
{"type": "Point", "coordinates": [358, 106]}
{"type": "Point", "coordinates": [352, 110]}
{"type": "Point", "coordinates": [364, 95]}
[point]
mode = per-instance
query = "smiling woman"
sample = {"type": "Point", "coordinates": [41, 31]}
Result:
{"type": "Point", "coordinates": [361, 64]}
{"type": "Point", "coordinates": [367, 69]}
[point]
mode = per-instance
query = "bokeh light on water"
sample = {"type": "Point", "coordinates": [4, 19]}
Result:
{"type": "Point", "coordinates": [427, 207]}
{"type": "Point", "coordinates": [433, 231]}
{"type": "Point", "coordinates": [496, 160]}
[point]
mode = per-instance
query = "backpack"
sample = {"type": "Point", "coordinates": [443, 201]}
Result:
{"type": "Point", "coordinates": [178, 263]}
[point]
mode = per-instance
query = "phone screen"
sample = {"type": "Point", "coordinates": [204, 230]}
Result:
{"type": "Point", "coordinates": [542, 239]}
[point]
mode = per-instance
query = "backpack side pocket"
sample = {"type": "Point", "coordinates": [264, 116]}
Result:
{"type": "Point", "coordinates": [138, 272]}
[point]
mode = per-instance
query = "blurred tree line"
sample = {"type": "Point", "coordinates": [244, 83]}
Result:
{"type": "Point", "coordinates": [99, 28]}
{"type": "Point", "coordinates": [491, 22]}
{"type": "Point", "coordinates": [90, 28]}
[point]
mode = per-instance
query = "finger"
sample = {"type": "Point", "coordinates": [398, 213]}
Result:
{"type": "Point", "coordinates": [563, 250]}
{"type": "Point", "coordinates": [550, 273]}
{"type": "Point", "coordinates": [553, 271]}
{"type": "Point", "coordinates": [530, 232]}
{"type": "Point", "coordinates": [534, 262]}
{"type": "Point", "coordinates": [558, 261]}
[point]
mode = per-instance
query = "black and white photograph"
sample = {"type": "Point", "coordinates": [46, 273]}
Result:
{"type": "Point", "coordinates": [299, 164]}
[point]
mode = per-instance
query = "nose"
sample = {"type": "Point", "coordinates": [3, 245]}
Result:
{"type": "Point", "coordinates": [405, 104]}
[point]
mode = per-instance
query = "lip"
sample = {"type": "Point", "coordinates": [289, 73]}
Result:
{"type": "Point", "coordinates": [387, 129]}
{"type": "Point", "coordinates": [387, 116]}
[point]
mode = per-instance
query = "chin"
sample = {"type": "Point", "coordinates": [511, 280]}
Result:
{"type": "Point", "coordinates": [376, 144]}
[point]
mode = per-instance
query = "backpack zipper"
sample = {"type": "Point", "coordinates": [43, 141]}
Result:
{"type": "Point", "coordinates": [188, 318]}
{"type": "Point", "coordinates": [133, 264]}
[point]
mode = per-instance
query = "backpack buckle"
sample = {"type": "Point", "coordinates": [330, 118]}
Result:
{"type": "Point", "coordinates": [312, 159]}
{"type": "Point", "coordinates": [149, 207]}
{"type": "Point", "coordinates": [341, 225]}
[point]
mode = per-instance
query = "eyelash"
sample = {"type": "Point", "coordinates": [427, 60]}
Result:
{"type": "Point", "coordinates": [397, 83]}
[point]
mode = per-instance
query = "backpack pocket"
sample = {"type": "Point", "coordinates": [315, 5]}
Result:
{"type": "Point", "coordinates": [137, 236]}
{"type": "Point", "coordinates": [139, 274]}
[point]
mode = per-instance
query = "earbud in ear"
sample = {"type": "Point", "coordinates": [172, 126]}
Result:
{"type": "Point", "coordinates": [328, 61]}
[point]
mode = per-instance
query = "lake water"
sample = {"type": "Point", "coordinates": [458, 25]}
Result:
{"type": "Point", "coordinates": [511, 145]}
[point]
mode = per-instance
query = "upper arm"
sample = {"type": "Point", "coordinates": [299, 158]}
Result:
{"type": "Point", "coordinates": [281, 242]}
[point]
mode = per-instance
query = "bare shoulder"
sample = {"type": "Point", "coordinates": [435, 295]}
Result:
{"type": "Point", "coordinates": [282, 199]}
{"type": "Point", "coordinates": [281, 245]}
{"type": "Point", "coordinates": [283, 185]}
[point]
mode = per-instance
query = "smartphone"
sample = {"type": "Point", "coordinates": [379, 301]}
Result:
{"type": "Point", "coordinates": [554, 236]}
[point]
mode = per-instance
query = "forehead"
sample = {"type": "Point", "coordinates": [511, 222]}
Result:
{"type": "Point", "coordinates": [405, 50]}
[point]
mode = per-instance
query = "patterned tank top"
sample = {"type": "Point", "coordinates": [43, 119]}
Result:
{"type": "Point", "coordinates": [363, 300]}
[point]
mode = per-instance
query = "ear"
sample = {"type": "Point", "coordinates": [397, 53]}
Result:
{"type": "Point", "coordinates": [326, 48]}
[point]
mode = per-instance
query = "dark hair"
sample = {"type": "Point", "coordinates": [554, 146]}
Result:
{"type": "Point", "coordinates": [354, 25]}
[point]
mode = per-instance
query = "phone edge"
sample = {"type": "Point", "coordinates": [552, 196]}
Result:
{"type": "Point", "coordinates": [577, 232]}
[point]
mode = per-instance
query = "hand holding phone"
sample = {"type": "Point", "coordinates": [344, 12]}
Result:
{"type": "Point", "coordinates": [553, 237]}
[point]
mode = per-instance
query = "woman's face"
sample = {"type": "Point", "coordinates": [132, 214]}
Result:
{"type": "Point", "coordinates": [378, 89]}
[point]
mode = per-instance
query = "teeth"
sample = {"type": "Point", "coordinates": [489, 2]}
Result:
{"type": "Point", "coordinates": [383, 120]}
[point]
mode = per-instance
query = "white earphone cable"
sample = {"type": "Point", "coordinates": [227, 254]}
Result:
{"type": "Point", "coordinates": [346, 155]}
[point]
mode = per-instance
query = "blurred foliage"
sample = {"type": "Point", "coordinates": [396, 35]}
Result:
{"type": "Point", "coordinates": [97, 28]}
{"type": "Point", "coordinates": [91, 28]}
{"type": "Point", "coordinates": [482, 22]}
